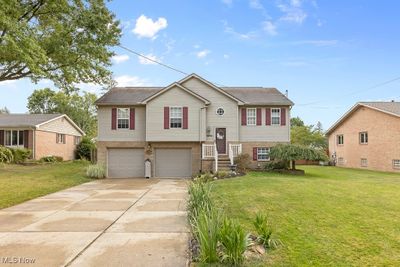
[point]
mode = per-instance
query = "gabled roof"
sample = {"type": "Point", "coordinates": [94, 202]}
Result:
{"type": "Point", "coordinates": [145, 101]}
{"type": "Point", "coordinates": [259, 95]}
{"type": "Point", "coordinates": [241, 95]}
{"type": "Point", "coordinates": [127, 95]}
{"type": "Point", "coordinates": [194, 75]}
{"type": "Point", "coordinates": [391, 108]}
{"type": "Point", "coordinates": [31, 120]}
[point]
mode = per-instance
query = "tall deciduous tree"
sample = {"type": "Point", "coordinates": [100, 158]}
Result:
{"type": "Point", "coordinates": [4, 110]}
{"type": "Point", "coordinates": [66, 41]}
{"type": "Point", "coordinates": [307, 135]}
{"type": "Point", "coordinates": [79, 106]}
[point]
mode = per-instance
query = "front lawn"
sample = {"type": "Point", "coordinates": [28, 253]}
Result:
{"type": "Point", "coordinates": [329, 217]}
{"type": "Point", "coordinates": [20, 183]}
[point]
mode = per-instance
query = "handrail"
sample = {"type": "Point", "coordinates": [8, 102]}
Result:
{"type": "Point", "coordinates": [234, 151]}
{"type": "Point", "coordinates": [216, 157]}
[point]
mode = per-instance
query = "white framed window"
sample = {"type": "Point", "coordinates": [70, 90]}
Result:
{"type": "Point", "coordinates": [340, 161]}
{"type": "Point", "coordinates": [340, 139]}
{"type": "Point", "coordinates": [363, 138]}
{"type": "Point", "coordinates": [251, 116]}
{"type": "Point", "coordinates": [220, 111]}
{"type": "Point", "coordinates": [263, 153]}
{"type": "Point", "coordinates": [14, 137]}
{"type": "Point", "coordinates": [396, 164]}
{"type": "Point", "coordinates": [123, 118]}
{"type": "Point", "coordinates": [275, 116]}
{"type": "Point", "coordinates": [364, 162]}
{"type": "Point", "coordinates": [60, 138]}
{"type": "Point", "coordinates": [77, 140]}
{"type": "Point", "coordinates": [175, 117]}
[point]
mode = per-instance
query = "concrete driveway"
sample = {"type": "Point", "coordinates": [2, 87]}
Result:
{"type": "Point", "coordinates": [112, 222]}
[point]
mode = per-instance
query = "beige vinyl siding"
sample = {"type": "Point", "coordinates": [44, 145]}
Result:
{"type": "Point", "coordinates": [270, 133]}
{"type": "Point", "coordinates": [155, 113]}
{"type": "Point", "coordinates": [230, 118]}
{"type": "Point", "coordinates": [106, 134]}
{"type": "Point", "coordinates": [60, 125]}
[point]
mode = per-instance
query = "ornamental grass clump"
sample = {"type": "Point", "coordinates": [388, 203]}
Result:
{"type": "Point", "coordinates": [96, 171]}
{"type": "Point", "coordinates": [264, 231]}
{"type": "Point", "coordinates": [234, 242]}
{"type": "Point", "coordinates": [207, 233]}
{"type": "Point", "coordinates": [199, 200]}
{"type": "Point", "coordinates": [6, 155]}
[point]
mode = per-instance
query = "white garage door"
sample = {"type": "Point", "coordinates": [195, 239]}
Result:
{"type": "Point", "coordinates": [173, 162]}
{"type": "Point", "coordinates": [125, 162]}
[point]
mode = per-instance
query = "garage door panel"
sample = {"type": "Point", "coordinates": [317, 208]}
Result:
{"type": "Point", "coordinates": [125, 163]}
{"type": "Point", "coordinates": [173, 162]}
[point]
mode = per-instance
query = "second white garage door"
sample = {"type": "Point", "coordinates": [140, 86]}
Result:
{"type": "Point", "coordinates": [171, 162]}
{"type": "Point", "coordinates": [125, 162]}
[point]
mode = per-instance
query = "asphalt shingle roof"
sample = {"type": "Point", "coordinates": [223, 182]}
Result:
{"type": "Point", "coordinates": [25, 120]}
{"type": "Point", "coordinates": [391, 107]}
{"type": "Point", "coordinates": [249, 95]}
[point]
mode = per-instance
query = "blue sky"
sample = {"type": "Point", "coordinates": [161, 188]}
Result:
{"type": "Point", "coordinates": [327, 54]}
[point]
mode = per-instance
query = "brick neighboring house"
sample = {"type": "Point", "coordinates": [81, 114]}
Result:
{"type": "Point", "coordinates": [44, 134]}
{"type": "Point", "coordinates": [367, 136]}
{"type": "Point", "coordinates": [188, 126]}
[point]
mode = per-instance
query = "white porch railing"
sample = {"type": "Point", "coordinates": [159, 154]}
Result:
{"type": "Point", "coordinates": [208, 151]}
{"type": "Point", "coordinates": [216, 157]}
{"type": "Point", "coordinates": [234, 151]}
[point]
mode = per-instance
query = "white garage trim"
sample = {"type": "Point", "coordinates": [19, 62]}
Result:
{"type": "Point", "coordinates": [173, 162]}
{"type": "Point", "coordinates": [125, 162]}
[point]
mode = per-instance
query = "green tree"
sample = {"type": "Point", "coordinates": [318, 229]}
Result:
{"type": "Point", "coordinates": [79, 106]}
{"type": "Point", "coordinates": [307, 135]}
{"type": "Point", "coordinates": [291, 153]}
{"type": "Point", "coordinates": [65, 41]}
{"type": "Point", "coordinates": [4, 110]}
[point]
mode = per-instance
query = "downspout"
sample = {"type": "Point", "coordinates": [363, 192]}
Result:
{"type": "Point", "coordinates": [200, 137]}
{"type": "Point", "coordinates": [34, 143]}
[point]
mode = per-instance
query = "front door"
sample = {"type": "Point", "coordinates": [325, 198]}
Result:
{"type": "Point", "coordinates": [220, 138]}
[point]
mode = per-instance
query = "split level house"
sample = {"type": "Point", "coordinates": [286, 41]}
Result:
{"type": "Point", "coordinates": [188, 126]}
{"type": "Point", "coordinates": [367, 137]}
{"type": "Point", "coordinates": [44, 134]}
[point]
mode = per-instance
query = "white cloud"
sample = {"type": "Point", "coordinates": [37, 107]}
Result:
{"type": "Point", "coordinates": [120, 58]}
{"type": "Point", "coordinates": [196, 46]}
{"type": "Point", "coordinates": [255, 4]}
{"type": "Point", "coordinates": [244, 36]}
{"type": "Point", "coordinates": [227, 2]}
{"type": "Point", "coordinates": [127, 80]}
{"type": "Point", "coordinates": [296, 3]}
{"type": "Point", "coordinates": [203, 53]}
{"type": "Point", "coordinates": [293, 12]}
{"type": "Point", "coordinates": [147, 28]}
{"type": "Point", "coordinates": [269, 27]}
{"type": "Point", "coordinates": [226, 56]}
{"type": "Point", "coordinates": [145, 61]}
{"type": "Point", "coordinates": [317, 42]}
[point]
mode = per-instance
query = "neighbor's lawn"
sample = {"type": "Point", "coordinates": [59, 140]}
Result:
{"type": "Point", "coordinates": [20, 183]}
{"type": "Point", "coordinates": [330, 217]}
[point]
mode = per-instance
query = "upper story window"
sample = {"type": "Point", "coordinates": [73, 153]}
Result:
{"type": "Point", "coordinates": [60, 138]}
{"type": "Point", "coordinates": [251, 116]}
{"type": "Point", "coordinates": [220, 111]}
{"type": "Point", "coordinates": [175, 117]}
{"type": "Point", "coordinates": [275, 116]}
{"type": "Point", "coordinates": [14, 138]}
{"type": "Point", "coordinates": [263, 153]}
{"type": "Point", "coordinates": [363, 138]}
{"type": "Point", "coordinates": [123, 118]}
{"type": "Point", "coordinates": [340, 139]}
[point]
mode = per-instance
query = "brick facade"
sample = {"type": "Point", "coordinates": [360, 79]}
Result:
{"type": "Point", "coordinates": [46, 145]}
{"type": "Point", "coordinates": [383, 140]}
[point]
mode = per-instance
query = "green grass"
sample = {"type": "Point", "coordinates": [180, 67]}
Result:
{"type": "Point", "coordinates": [329, 217]}
{"type": "Point", "coordinates": [21, 183]}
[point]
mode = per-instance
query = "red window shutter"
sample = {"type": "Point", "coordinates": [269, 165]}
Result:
{"type": "Point", "coordinates": [132, 119]}
{"type": "Point", "coordinates": [244, 116]}
{"type": "Point", "coordinates": [166, 117]}
{"type": "Point", "coordinates": [258, 116]}
{"type": "Point", "coordinates": [113, 119]}
{"type": "Point", "coordinates": [283, 116]}
{"type": "Point", "coordinates": [185, 118]}
{"type": "Point", "coordinates": [254, 153]}
{"type": "Point", "coordinates": [267, 116]}
{"type": "Point", "coordinates": [26, 139]}
{"type": "Point", "coordinates": [2, 137]}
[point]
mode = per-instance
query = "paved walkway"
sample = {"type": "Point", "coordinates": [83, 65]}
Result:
{"type": "Point", "coordinates": [111, 222]}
